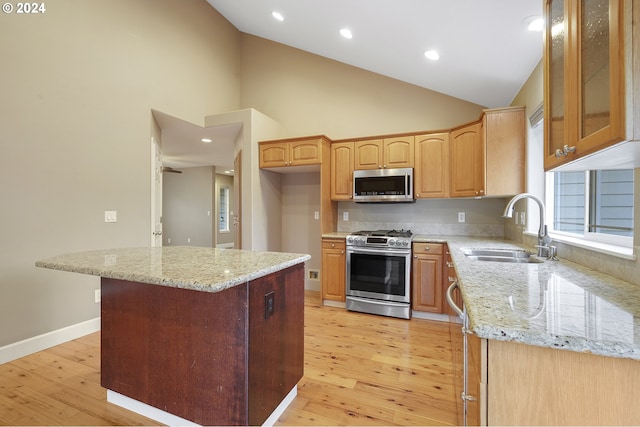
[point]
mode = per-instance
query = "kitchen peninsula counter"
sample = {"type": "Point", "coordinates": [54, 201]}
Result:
{"type": "Point", "coordinates": [208, 336]}
{"type": "Point", "coordinates": [554, 304]}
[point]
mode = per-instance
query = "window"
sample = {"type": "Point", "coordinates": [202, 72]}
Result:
{"type": "Point", "coordinates": [224, 209]}
{"type": "Point", "coordinates": [594, 205]}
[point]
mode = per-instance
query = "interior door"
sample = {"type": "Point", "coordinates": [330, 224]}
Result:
{"type": "Point", "coordinates": [237, 194]}
{"type": "Point", "coordinates": [156, 193]}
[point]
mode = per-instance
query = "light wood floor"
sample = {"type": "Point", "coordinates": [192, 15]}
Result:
{"type": "Point", "coordinates": [359, 370]}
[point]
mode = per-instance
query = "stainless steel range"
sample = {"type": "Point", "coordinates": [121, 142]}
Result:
{"type": "Point", "coordinates": [378, 272]}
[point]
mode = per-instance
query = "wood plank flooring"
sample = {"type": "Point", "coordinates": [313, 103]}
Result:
{"type": "Point", "coordinates": [359, 370]}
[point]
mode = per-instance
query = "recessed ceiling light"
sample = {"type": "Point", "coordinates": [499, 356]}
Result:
{"type": "Point", "coordinates": [277, 15]}
{"type": "Point", "coordinates": [205, 140]}
{"type": "Point", "coordinates": [432, 55]}
{"type": "Point", "coordinates": [346, 33]}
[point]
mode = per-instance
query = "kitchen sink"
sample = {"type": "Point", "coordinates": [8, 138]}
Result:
{"type": "Point", "coordinates": [501, 255]}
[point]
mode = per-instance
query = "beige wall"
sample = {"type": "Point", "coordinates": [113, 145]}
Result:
{"type": "Point", "coordinates": [78, 86]}
{"type": "Point", "coordinates": [311, 95]}
{"type": "Point", "coordinates": [188, 209]}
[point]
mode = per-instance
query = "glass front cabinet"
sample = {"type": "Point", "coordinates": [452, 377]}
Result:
{"type": "Point", "coordinates": [584, 69]}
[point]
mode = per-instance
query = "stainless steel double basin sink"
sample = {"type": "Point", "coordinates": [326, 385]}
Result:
{"type": "Point", "coordinates": [520, 256]}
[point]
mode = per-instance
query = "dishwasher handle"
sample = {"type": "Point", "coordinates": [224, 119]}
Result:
{"type": "Point", "coordinates": [450, 300]}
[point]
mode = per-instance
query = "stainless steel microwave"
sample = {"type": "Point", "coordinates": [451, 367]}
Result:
{"type": "Point", "coordinates": [383, 185]}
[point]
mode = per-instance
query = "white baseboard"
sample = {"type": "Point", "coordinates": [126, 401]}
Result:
{"type": "Point", "coordinates": [174, 420]}
{"type": "Point", "coordinates": [41, 342]}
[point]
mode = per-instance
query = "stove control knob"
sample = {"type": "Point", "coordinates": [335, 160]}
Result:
{"type": "Point", "coordinates": [349, 240]}
{"type": "Point", "coordinates": [392, 242]}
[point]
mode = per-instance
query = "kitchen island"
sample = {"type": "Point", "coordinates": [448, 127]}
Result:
{"type": "Point", "coordinates": [200, 335]}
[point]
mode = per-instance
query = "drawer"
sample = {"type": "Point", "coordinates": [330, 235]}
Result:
{"type": "Point", "coordinates": [333, 244]}
{"type": "Point", "coordinates": [428, 248]}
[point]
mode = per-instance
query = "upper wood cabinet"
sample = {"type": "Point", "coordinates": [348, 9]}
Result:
{"type": "Point", "coordinates": [467, 161]}
{"type": "Point", "coordinates": [431, 174]}
{"type": "Point", "coordinates": [488, 157]}
{"type": "Point", "coordinates": [292, 152]}
{"type": "Point", "coordinates": [342, 171]}
{"type": "Point", "coordinates": [384, 153]}
{"type": "Point", "coordinates": [584, 72]}
{"type": "Point", "coordinates": [505, 144]}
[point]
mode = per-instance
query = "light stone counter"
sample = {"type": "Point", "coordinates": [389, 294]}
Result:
{"type": "Point", "coordinates": [187, 267]}
{"type": "Point", "coordinates": [555, 304]}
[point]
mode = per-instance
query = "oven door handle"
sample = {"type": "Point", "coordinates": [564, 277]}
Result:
{"type": "Point", "coordinates": [376, 302]}
{"type": "Point", "coordinates": [379, 251]}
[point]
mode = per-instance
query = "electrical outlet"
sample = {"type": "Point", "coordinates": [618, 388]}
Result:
{"type": "Point", "coordinates": [522, 218]}
{"type": "Point", "coordinates": [110, 216]}
{"type": "Point", "coordinates": [516, 216]}
{"type": "Point", "coordinates": [314, 274]}
{"type": "Point", "coordinates": [345, 216]}
{"type": "Point", "coordinates": [316, 215]}
{"type": "Point", "coordinates": [269, 304]}
{"type": "Point", "coordinates": [97, 296]}
{"type": "Point", "coordinates": [461, 217]}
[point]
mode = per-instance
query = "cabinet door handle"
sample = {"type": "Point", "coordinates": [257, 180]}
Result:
{"type": "Point", "coordinates": [467, 397]}
{"type": "Point", "coordinates": [565, 151]}
{"type": "Point", "coordinates": [449, 264]}
{"type": "Point", "coordinates": [415, 257]}
{"type": "Point", "coordinates": [333, 245]}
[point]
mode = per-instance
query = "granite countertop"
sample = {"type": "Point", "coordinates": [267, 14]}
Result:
{"type": "Point", "coordinates": [188, 267]}
{"type": "Point", "coordinates": [555, 304]}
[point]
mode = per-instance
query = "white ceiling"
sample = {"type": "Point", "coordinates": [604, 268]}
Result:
{"type": "Point", "coordinates": [486, 52]}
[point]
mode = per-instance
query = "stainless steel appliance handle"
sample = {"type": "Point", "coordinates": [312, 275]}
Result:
{"type": "Point", "coordinates": [379, 251]}
{"type": "Point", "coordinates": [452, 303]}
{"type": "Point", "coordinates": [406, 184]}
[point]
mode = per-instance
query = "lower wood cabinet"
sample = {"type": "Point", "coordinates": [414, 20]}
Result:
{"type": "Point", "coordinates": [426, 278]}
{"type": "Point", "coordinates": [334, 267]}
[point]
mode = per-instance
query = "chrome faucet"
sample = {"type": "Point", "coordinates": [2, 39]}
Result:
{"type": "Point", "coordinates": [544, 250]}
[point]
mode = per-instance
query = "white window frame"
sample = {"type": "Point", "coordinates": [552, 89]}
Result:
{"type": "Point", "coordinates": [623, 244]}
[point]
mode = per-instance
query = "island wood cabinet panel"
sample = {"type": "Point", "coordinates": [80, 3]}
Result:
{"type": "Point", "coordinates": [384, 153]}
{"type": "Point", "coordinates": [334, 268]}
{"type": "Point", "coordinates": [431, 174]}
{"type": "Point", "coordinates": [214, 358]}
{"type": "Point", "coordinates": [293, 152]}
{"type": "Point", "coordinates": [342, 171]}
{"type": "Point", "coordinates": [584, 69]}
{"type": "Point", "coordinates": [426, 273]}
